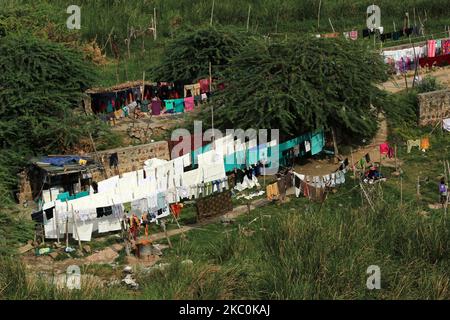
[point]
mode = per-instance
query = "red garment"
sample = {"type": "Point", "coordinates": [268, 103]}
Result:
{"type": "Point", "coordinates": [204, 85]}
{"type": "Point", "coordinates": [439, 61]}
{"type": "Point", "coordinates": [384, 148]}
{"type": "Point", "coordinates": [391, 153]}
{"type": "Point", "coordinates": [176, 209]}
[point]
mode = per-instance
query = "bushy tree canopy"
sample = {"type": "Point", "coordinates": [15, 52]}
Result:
{"type": "Point", "coordinates": [299, 85]}
{"type": "Point", "coordinates": [41, 85]}
{"type": "Point", "coordinates": [186, 58]}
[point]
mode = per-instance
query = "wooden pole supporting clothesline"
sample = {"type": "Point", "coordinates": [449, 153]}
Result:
{"type": "Point", "coordinates": [212, 14]}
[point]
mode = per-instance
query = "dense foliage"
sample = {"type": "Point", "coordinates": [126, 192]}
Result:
{"type": "Point", "coordinates": [41, 85]}
{"type": "Point", "coordinates": [186, 59]}
{"type": "Point", "coordinates": [299, 85]}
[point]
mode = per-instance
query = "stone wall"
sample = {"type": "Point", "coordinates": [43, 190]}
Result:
{"type": "Point", "coordinates": [130, 159]}
{"type": "Point", "coordinates": [433, 107]}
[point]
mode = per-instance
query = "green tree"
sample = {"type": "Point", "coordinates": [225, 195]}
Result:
{"type": "Point", "coordinates": [186, 58]}
{"type": "Point", "coordinates": [300, 85]}
{"type": "Point", "coordinates": [41, 85]}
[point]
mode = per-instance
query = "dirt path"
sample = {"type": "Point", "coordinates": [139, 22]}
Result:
{"type": "Point", "coordinates": [397, 83]}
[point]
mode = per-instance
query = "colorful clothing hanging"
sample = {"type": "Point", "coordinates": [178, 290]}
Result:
{"type": "Point", "coordinates": [189, 104]}
{"type": "Point", "coordinates": [179, 105]}
{"type": "Point", "coordinates": [156, 107]}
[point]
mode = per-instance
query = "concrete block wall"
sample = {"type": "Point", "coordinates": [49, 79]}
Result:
{"type": "Point", "coordinates": [433, 107]}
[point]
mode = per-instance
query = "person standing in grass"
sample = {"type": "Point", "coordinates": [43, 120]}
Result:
{"type": "Point", "coordinates": [443, 191]}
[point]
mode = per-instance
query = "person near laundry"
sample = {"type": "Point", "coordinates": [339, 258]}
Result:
{"type": "Point", "coordinates": [373, 174]}
{"type": "Point", "coordinates": [443, 192]}
{"type": "Point", "coordinates": [134, 226]}
{"type": "Point", "coordinates": [145, 223]}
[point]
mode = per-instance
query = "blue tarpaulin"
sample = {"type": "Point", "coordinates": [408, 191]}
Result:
{"type": "Point", "coordinates": [60, 161]}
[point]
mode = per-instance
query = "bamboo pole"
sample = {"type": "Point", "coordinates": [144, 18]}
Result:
{"type": "Point", "coordinates": [76, 228]}
{"type": "Point", "coordinates": [154, 24]}
{"type": "Point", "coordinates": [318, 15]}
{"type": "Point", "coordinates": [248, 16]}
{"type": "Point", "coordinates": [212, 14]}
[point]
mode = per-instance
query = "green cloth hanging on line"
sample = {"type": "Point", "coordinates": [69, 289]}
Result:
{"type": "Point", "coordinates": [169, 104]}
{"type": "Point", "coordinates": [179, 105]}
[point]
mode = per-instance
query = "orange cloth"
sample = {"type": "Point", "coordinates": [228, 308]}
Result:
{"type": "Point", "coordinates": [272, 191]}
{"type": "Point", "coordinates": [425, 143]}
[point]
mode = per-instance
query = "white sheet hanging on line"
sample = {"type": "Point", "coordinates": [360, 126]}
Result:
{"type": "Point", "coordinates": [83, 230]}
{"type": "Point", "coordinates": [446, 124]}
{"type": "Point", "coordinates": [213, 172]}
{"type": "Point", "coordinates": [108, 184]}
{"type": "Point", "coordinates": [192, 178]}
{"type": "Point", "coordinates": [50, 229]}
{"type": "Point", "coordinates": [107, 224]}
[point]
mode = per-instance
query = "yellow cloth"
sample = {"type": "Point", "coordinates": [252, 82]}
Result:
{"type": "Point", "coordinates": [82, 162]}
{"type": "Point", "coordinates": [272, 191]}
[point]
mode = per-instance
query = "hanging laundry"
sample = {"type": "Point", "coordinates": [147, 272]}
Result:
{"type": "Point", "coordinates": [104, 211]}
{"type": "Point", "coordinates": [446, 124]}
{"type": "Point", "coordinates": [204, 96]}
{"type": "Point", "coordinates": [384, 148]}
{"type": "Point", "coordinates": [307, 146]}
{"type": "Point", "coordinates": [156, 107]}
{"type": "Point", "coordinates": [170, 104]}
{"type": "Point", "coordinates": [412, 143]}
{"type": "Point", "coordinates": [330, 35]}
{"type": "Point", "coordinates": [176, 209]}
{"type": "Point", "coordinates": [445, 44]}
{"type": "Point", "coordinates": [83, 230]}
{"type": "Point", "coordinates": [317, 142]}
{"type": "Point", "coordinates": [193, 89]}
{"type": "Point", "coordinates": [204, 85]}
{"type": "Point", "coordinates": [189, 104]}
{"type": "Point", "coordinates": [431, 44]}
{"type": "Point", "coordinates": [424, 144]}
{"type": "Point", "coordinates": [272, 191]}
{"type": "Point", "coordinates": [179, 105]}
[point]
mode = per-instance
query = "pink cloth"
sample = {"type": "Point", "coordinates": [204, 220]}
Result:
{"type": "Point", "coordinates": [189, 104]}
{"type": "Point", "coordinates": [431, 48]}
{"type": "Point", "coordinates": [384, 148]}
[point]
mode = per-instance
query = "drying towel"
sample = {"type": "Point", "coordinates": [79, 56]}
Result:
{"type": "Point", "coordinates": [446, 124]}
{"type": "Point", "coordinates": [156, 107]}
{"type": "Point", "coordinates": [384, 148]}
{"type": "Point", "coordinates": [179, 105]}
{"type": "Point", "coordinates": [169, 104]}
{"type": "Point", "coordinates": [189, 104]}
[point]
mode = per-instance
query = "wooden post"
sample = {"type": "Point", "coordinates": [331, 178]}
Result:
{"type": "Point", "coordinates": [395, 152]}
{"type": "Point", "coordinates": [163, 225]}
{"type": "Point", "coordinates": [248, 16]}
{"type": "Point", "coordinates": [331, 24]}
{"type": "Point", "coordinates": [76, 229]}
{"type": "Point", "coordinates": [336, 151]}
{"type": "Point", "coordinates": [212, 14]}
{"type": "Point", "coordinates": [154, 19]}
{"type": "Point", "coordinates": [401, 190]}
{"type": "Point", "coordinates": [318, 16]}
{"type": "Point", "coordinates": [418, 186]}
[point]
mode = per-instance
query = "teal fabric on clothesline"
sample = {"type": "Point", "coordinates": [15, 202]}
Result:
{"type": "Point", "coordinates": [241, 159]}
